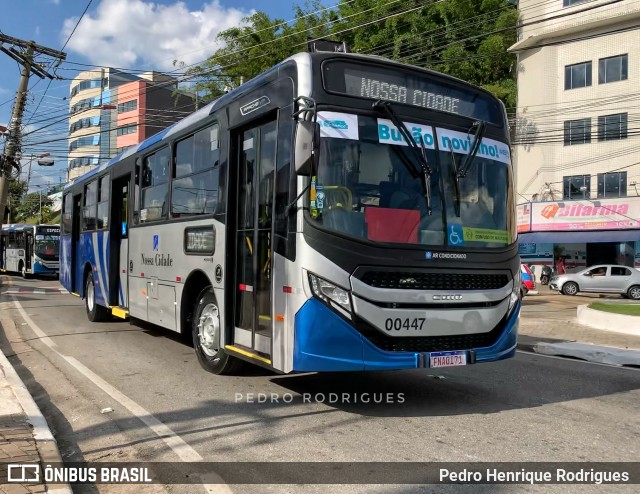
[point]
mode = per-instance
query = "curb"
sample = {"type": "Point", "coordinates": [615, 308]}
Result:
{"type": "Point", "coordinates": [591, 353]}
{"type": "Point", "coordinates": [608, 321]}
{"type": "Point", "coordinates": [45, 442]}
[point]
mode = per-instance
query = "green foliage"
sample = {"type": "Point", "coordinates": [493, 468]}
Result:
{"type": "Point", "coordinates": [258, 45]}
{"type": "Point", "coordinates": [17, 189]}
{"type": "Point", "coordinates": [29, 208]}
{"type": "Point", "coordinates": [467, 39]}
{"type": "Point", "coordinates": [625, 309]}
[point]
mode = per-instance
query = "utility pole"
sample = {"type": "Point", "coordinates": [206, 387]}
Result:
{"type": "Point", "coordinates": [9, 160]}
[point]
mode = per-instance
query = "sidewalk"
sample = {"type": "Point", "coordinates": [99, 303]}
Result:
{"type": "Point", "coordinates": [550, 318]}
{"type": "Point", "coordinates": [25, 436]}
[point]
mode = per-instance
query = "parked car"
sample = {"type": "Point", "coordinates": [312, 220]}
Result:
{"type": "Point", "coordinates": [605, 278]}
{"type": "Point", "coordinates": [528, 280]}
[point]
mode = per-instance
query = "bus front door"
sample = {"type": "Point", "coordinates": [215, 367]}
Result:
{"type": "Point", "coordinates": [119, 242]}
{"type": "Point", "coordinates": [28, 251]}
{"type": "Point", "coordinates": [76, 271]}
{"type": "Point", "coordinates": [256, 153]}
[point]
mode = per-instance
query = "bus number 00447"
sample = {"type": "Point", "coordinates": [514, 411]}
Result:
{"type": "Point", "coordinates": [398, 324]}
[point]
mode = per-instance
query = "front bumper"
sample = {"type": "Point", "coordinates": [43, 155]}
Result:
{"type": "Point", "coordinates": [324, 341]}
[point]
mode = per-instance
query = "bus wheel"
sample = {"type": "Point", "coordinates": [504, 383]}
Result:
{"type": "Point", "coordinates": [95, 312]}
{"type": "Point", "coordinates": [206, 329]}
{"type": "Point", "coordinates": [23, 270]}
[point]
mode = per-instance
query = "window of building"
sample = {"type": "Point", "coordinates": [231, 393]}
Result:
{"type": "Point", "coordinates": [90, 204]}
{"type": "Point", "coordinates": [103, 202]}
{"type": "Point", "coordinates": [127, 106]}
{"type": "Point", "coordinates": [577, 75]}
{"type": "Point", "coordinates": [612, 127]}
{"type": "Point", "coordinates": [613, 69]}
{"type": "Point", "coordinates": [154, 186]}
{"type": "Point", "coordinates": [612, 184]}
{"type": "Point", "coordinates": [577, 131]}
{"type": "Point", "coordinates": [83, 161]}
{"type": "Point", "coordinates": [195, 186]}
{"type": "Point", "coordinates": [67, 213]}
{"type": "Point", "coordinates": [84, 123]}
{"type": "Point", "coordinates": [93, 83]}
{"type": "Point", "coordinates": [87, 103]}
{"type": "Point", "coordinates": [123, 149]}
{"type": "Point", "coordinates": [576, 187]}
{"type": "Point", "coordinates": [84, 141]}
{"type": "Point", "coordinates": [569, 3]}
{"type": "Point", "coordinates": [127, 129]}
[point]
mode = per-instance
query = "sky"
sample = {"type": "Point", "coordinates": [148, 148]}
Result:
{"type": "Point", "coordinates": [130, 34]}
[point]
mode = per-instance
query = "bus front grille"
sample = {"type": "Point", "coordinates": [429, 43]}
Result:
{"type": "Point", "coordinates": [423, 344]}
{"type": "Point", "coordinates": [434, 281]}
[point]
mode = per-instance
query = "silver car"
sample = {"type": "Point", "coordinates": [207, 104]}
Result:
{"type": "Point", "coordinates": [605, 278]}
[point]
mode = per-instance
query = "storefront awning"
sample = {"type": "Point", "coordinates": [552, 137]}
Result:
{"type": "Point", "coordinates": [579, 237]}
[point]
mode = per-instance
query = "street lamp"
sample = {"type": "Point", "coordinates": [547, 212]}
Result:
{"type": "Point", "coordinates": [40, 187]}
{"type": "Point", "coordinates": [41, 162]}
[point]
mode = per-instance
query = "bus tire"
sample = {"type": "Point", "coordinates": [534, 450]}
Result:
{"type": "Point", "coordinates": [95, 312]}
{"type": "Point", "coordinates": [206, 328]}
{"type": "Point", "coordinates": [23, 271]}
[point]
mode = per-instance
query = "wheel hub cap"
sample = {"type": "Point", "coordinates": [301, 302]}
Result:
{"type": "Point", "coordinates": [90, 295]}
{"type": "Point", "coordinates": [209, 330]}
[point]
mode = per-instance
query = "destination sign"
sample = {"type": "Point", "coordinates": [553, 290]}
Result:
{"type": "Point", "coordinates": [410, 88]}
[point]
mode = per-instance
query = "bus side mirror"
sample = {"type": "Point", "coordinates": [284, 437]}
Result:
{"type": "Point", "coordinates": [307, 144]}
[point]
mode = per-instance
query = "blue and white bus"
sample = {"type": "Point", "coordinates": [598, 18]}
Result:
{"type": "Point", "coordinates": [30, 249]}
{"type": "Point", "coordinates": [339, 212]}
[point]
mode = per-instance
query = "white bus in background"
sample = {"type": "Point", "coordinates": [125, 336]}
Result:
{"type": "Point", "coordinates": [30, 249]}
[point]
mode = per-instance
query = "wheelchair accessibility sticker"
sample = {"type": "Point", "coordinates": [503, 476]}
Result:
{"type": "Point", "coordinates": [456, 235]}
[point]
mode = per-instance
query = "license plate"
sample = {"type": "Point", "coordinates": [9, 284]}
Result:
{"type": "Point", "coordinates": [447, 359]}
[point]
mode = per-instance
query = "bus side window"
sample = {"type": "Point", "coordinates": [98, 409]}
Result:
{"type": "Point", "coordinates": [67, 213]}
{"type": "Point", "coordinates": [89, 211]}
{"type": "Point", "coordinates": [103, 203]}
{"type": "Point", "coordinates": [284, 187]}
{"type": "Point", "coordinates": [154, 186]}
{"type": "Point", "coordinates": [194, 188]}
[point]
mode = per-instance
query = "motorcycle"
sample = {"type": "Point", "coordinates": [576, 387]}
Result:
{"type": "Point", "coordinates": [546, 274]}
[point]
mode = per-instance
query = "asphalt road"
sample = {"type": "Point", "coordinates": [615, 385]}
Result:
{"type": "Point", "coordinates": [165, 408]}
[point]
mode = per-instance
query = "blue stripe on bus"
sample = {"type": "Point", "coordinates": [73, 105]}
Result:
{"type": "Point", "coordinates": [324, 341]}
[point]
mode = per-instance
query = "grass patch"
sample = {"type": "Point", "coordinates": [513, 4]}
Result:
{"type": "Point", "coordinates": [626, 309]}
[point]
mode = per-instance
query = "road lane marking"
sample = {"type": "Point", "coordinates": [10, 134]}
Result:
{"type": "Point", "coordinates": [178, 445]}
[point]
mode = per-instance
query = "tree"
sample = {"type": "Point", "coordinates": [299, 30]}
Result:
{"type": "Point", "coordinates": [29, 207]}
{"type": "Point", "coordinates": [17, 189]}
{"type": "Point", "coordinates": [257, 46]}
{"type": "Point", "coordinates": [467, 39]}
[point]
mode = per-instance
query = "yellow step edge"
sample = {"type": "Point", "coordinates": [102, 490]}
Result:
{"type": "Point", "coordinates": [119, 312]}
{"type": "Point", "coordinates": [75, 294]}
{"type": "Point", "coordinates": [247, 354]}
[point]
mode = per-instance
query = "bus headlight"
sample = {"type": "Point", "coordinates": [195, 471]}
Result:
{"type": "Point", "coordinates": [330, 293]}
{"type": "Point", "coordinates": [515, 292]}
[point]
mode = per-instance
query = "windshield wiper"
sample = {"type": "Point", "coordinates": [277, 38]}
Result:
{"type": "Point", "coordinates": [462, 169]}
{"type": "Point", "coordinates": [420, 153]}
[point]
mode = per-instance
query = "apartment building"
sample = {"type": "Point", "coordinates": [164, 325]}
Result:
{"type": "Point", "coordinates": [110, 110]}
{"type": "Point", "coordinates": [577, 138]}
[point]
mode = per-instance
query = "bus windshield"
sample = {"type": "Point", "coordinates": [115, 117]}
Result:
{"type": "Point", "coordinates": [370, 186]}
{"type": "Point", "coordinates": [47, 247]}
